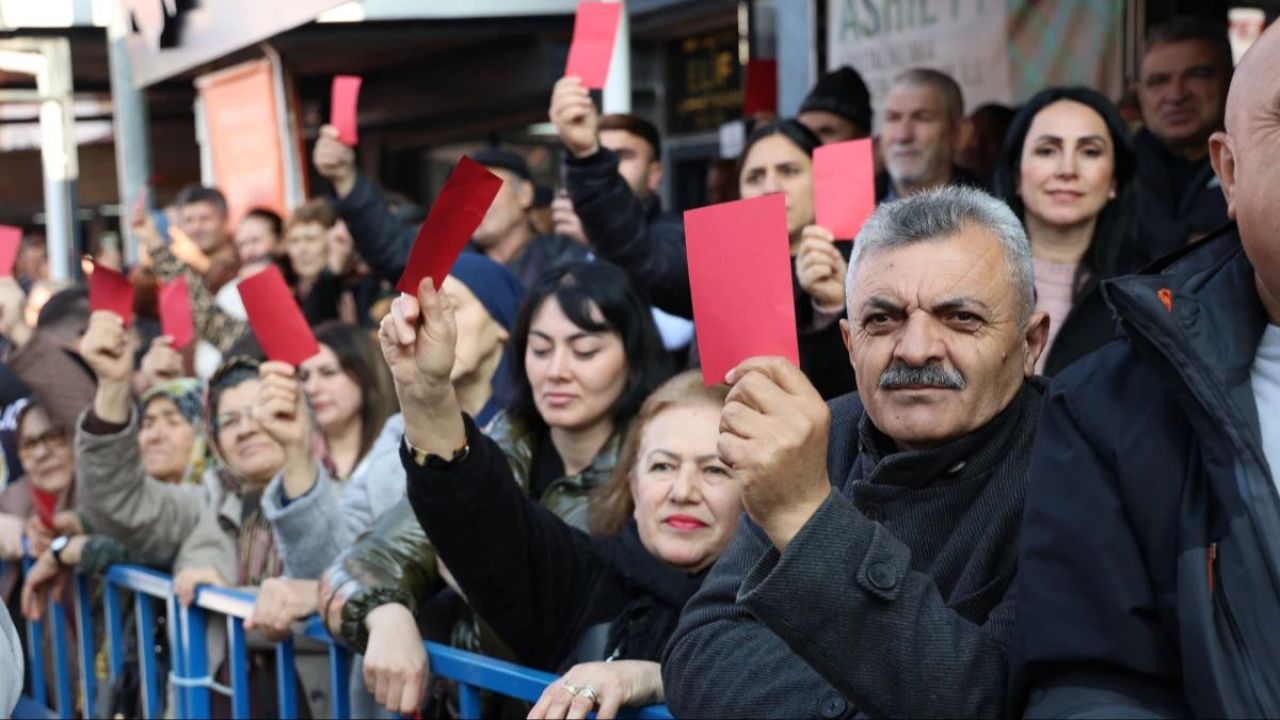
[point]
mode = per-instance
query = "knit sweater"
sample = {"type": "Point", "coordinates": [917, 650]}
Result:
{"type": "Point", "coordinates": [892, 600]}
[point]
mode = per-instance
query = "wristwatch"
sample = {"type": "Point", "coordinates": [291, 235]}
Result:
{"type": "Point", "coordinates": [425, 459]}
{"type": "Point", "coordinates": [57, 546]}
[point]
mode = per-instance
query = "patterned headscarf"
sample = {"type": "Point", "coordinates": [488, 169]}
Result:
{"type": "Point", "coordinates": [186, 394]}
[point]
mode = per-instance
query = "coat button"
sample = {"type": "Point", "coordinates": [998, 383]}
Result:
{"type": "Point", "coordinates": [882, 576]}
{"type": "Point", "coordinates": [832, 707]}
{"type": "Point", "coordinates": [874, 513]}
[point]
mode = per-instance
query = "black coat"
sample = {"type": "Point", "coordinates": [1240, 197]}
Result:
{"type": "Point", "coordinates": [894, 599]}
{"type": "Point", "coordinates": [1171, 215]}
{"type": "Point", "coordinates": [1149, 576]}
{"type": "Point", "coordinates": [650, 247]}
{"type": "Point", "coordinates": [546, 588]}
{"type": "Point", "coordinates": [384, 239]}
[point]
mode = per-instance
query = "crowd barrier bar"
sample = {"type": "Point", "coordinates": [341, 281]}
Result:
{"type": "Point", "coordinates": [190, 673]}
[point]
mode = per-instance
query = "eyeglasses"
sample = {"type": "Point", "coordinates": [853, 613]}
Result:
{"type": "Point", "coordinates": [51, 439]}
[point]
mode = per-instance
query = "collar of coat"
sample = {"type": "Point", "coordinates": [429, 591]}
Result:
{"type": "Point", "coordinates": [974, 453]}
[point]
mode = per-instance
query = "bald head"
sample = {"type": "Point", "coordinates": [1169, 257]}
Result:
{"type": "Point", "coordinates": [1246, 158]}
{"type": "Point", "coordinates": [1256, 84]}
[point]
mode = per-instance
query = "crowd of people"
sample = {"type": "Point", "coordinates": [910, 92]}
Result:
{"type": "Point", "coordinates": [1028, 463]}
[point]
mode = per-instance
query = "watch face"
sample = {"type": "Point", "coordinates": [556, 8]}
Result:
{"type": "Point", "coordinates": [59, 543]}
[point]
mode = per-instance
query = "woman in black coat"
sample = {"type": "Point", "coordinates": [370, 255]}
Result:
{"type": "Point", "coordinates": [1067, 170]}
{"type": "Point", "coordinates": [598, 607]}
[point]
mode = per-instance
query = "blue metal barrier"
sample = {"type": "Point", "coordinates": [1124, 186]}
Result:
{"type": "Point", "coordinates": [190, 674]}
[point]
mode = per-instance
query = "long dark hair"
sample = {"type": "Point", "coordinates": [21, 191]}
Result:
{"type": "Point", "coordinates": [799, 135]}
{"type": "Point", "coordinates": [1114, 249]}
{"type": "Point", "coordinates": [578, 288]}
{"type": "Point", "coordinates": [362, 361]}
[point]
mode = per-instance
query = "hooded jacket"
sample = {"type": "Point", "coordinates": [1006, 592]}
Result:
{"type": "Point", "coordinates": [1149, 577]}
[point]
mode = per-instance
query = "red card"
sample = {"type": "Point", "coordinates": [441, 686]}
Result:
{"type": "Point", "coordinates": [275, 317]}
{"type": "Point", "coordinates": [342, 108]}
{"type": "Point", "coordinates": [760, 94]}
{"type": "Point", "coordinates": [46, 503]}
{"type": "Point", "coordinates": [175, 312]}
{"type": "Point", "coordinates": [844, 187]}
{"type": "Point", "coordinates": [109, 290]}
{"type": "Point", "coordinates": [595, 28]}
{"type": "Point", "coordinates": [740, 277]}
{"type": "Point", "coordinates": [10, 242]}
{"type": "Point", "coordinates": [456, 214]}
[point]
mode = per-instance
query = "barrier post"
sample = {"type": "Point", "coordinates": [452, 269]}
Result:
{"type": "Point", "coordinates": [145, 618]}
{"type": "Point", "coordinates": [286, 681]}
{"type": "Point", "coordinates": [339, 682]}
{"type": "Point", "coordinates": [196, 666]}
{"type": "Point", "coordinates": [115, 631]}
{"type": "Point", "coordinates": [238, 653]}
{"type": "Point", "coordinates": [84, 625]}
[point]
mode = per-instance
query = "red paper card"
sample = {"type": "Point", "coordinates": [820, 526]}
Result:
{"type": "Point", "coordinates": [175, 312]}
{"type": "Point", "coordinates": [595, 28]}
{"type": "Point", "coordinates": [275, 317]}
{"type": "Point", "coordinates": [456, 214]}
{"type": "Point", "coordinates": [10, 242]}
{"type": "Point", "coordinates": [342, 108]}
{"type": "Point", "coordinates": [844, 187]}
{"type": "Point", "coordinates": [760, 94]}
{"type": "Point", "coordinates": [740, 277]}
{"type": "Point", "coordinates": [46, 503]}
{"type": "Point", "coordinates": [109, 290]}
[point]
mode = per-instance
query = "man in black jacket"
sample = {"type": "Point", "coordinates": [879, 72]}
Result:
{"type": "Point", "coordinates": [886, 594]}
{"type": "Point", "coordinates": [1182, 89]}
{"type": "Point", "coordinates": [384, 238]}
{"type": "Point", "coordinates": [1149, 580]}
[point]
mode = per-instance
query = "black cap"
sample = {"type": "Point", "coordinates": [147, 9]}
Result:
{"type": "Point", "coordinates": [842, 92]}
{"type": "Point", "coordinates": [505, 159]}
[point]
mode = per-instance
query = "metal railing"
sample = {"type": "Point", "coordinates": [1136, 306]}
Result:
{"type": "Point", "coordinates": [190, 675]}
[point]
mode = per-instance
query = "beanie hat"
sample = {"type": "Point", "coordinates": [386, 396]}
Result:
{"type": "Point", "coordinates": [842, 92]}
{"type": "Point", "coordinates": [493, 285]}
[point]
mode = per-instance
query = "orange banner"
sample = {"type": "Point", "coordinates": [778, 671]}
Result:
{"type": "Point", "coordinates": [243, 123]}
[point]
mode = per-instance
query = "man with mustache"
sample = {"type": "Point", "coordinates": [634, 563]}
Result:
{"type": "Point", "coordinates": [872, 575]}
{"type": "Point", "coordinates": [1182, 89]}
{"type": "Point", "coordinates": [920, 129]}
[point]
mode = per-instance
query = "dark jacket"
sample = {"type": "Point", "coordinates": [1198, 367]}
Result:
{"type": "Point", "coordinates": [959, 176]}
{"type": "Point", "coordinates": [893, 600]}
{"type": "Point", "coordinates": [395, 562]}
{"type": "Point", "coordinates": [384, 238]}
{"type": "Point", "coordinates": [538, 581]}
{"type": "Point", "coordinates": [635, 236]}
{"type": "Point", "coordinates": [632, 234]}
{"type": "Point", "coordinates": [1151, 546]}
{"type": "Point", "coordinates": [1178, 200]}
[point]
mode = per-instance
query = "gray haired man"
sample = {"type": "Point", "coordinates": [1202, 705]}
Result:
{"type": "Point", "coordinates": [873, 572]}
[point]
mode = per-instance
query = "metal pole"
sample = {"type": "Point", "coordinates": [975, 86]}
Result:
{"type": "Point", "coordinates": [132, 130]}
{"type": "Point", "coordinates": [617, 89]}
{"type": "Point", "coordinates": [797, 54]}
{"type": "Point", "coordinates": [61, 168]}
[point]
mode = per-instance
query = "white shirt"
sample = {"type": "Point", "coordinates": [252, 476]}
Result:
{"type": "Point", "coordinates": [1265, 378]}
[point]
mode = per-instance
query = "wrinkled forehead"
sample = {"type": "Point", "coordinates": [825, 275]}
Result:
{"type": "Point", "coordinates": [968, 265]}
{"type": "Point", "coordinates": [1255, 87]}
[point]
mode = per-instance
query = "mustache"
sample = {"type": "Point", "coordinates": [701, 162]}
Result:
{"type": "Point", "coordinates": [900, 374]}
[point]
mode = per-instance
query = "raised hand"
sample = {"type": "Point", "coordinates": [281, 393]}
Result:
{"type": "Point", "coordinates": [281, 411]}
{"type": "Point", "coordinates": [161, 363]}
{"type": "Point", "coordinates": [106, 349]}
{"type": "Point", "coordinates": [335, 161]}
{"type": "Point", "coordinates": [418, 339]}
{"type": "Point", "coordinates": [575, 116]}
{"type": "Point", "coordinates": [821, 268]}
{"type": "Point", "coordinates": [773, 433]}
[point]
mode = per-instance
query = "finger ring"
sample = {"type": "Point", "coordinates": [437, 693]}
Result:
{"type": "Point", "coordinates": [588, 692]}
{"type": "Point", "coordinates": [571, 687]}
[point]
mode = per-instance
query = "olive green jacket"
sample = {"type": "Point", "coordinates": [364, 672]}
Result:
{"type": "Point", "coordinates": [394, 562]}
